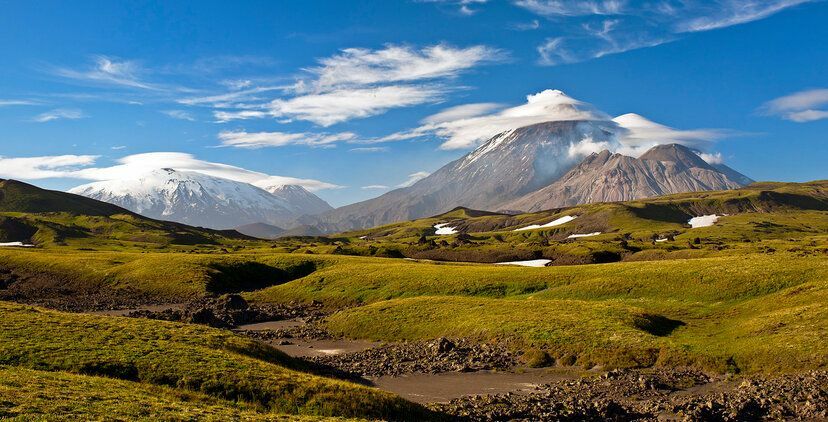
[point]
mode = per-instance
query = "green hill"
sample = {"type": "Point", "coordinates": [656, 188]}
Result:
{"type": "Point", "coordinates": [50, 218]}
{"type": "Point", "coordinates": [186, 358]}
{"type": "Point", "coordinates": [627, 229]}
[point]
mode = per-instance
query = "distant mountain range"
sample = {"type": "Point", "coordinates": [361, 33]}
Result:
{"type": "Point", "coordinates": [530, 168]}
{"type": "Point", "coordinates": [201, 200]}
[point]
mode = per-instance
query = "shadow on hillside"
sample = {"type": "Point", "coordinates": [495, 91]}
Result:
{"type": "Point", "coordinates": [248, 276]}
{"type": "Point", "coordinates": [657, 325]}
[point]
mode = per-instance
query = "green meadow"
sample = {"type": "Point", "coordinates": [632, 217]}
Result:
{"type": "Point", "coordinates": [745, 295]}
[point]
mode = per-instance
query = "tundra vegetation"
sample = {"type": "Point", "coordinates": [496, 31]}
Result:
{"type": "Point", "coordinates": [744, 295]}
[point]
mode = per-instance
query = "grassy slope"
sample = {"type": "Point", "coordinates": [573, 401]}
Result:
{"type": "Point", "coordinates": [51, 218]}
{"type": "Point", "coordinates": [201, 359]}
{"type": "Point", "coordinates": [29, 394]}
{"type": "Point", "coordinates": [765, 211]}
{"type": "Point", "coordinates": [761, 312]}
{"type": "Point", "coordinates": [164, 276]}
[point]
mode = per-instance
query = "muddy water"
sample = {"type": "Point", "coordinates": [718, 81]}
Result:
{"type": "Point", "coordinates": [420, 388]}
{"type": "Point", "coordinates": [308, 348]}
{"type": "Point", "coordinates": [436, 388]}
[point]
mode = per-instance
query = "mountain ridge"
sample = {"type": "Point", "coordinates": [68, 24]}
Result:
{"type": "Point", "coordinates": [199, 199]}
{"type": "Point", "coordinates": [608, 177]}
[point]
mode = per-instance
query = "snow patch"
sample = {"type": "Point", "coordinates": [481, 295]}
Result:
{"type": "Point", "coordinates": [443, 228]}
{"type": "Point", "coordinates": [703, 221]}
{"type": "Point", "coordinates": [15, 245]}
{"type": "Point", "coordinates": [661, 240]}
{"type": "Point", "coordinates": [530, 263]}
{"type": "Point", "coordinates": [558, 222]}
{"type": "Point", "coordinates": [575, 236]}
{"type": "Point", "coordinates": [363, 237]}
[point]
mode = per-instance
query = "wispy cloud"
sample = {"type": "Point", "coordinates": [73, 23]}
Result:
{"type": "Point", "coordinates": [802, 106]}
{"type": "Point", "coordinates": [464, 7]}
{"type": "Point", "coordinates": [43, 167]}
{"type": "Point", "coordinates": [359, 83]}
{"type": "Point", "coordinates": [735, 12]}
{"type": "Point", "coordinates": [552, 8]}
{"type": "Point", "coordinates": [526, 26]}
{"type": "Point", "coordinates": [10, 102]}
{"type": "Point", "coordinates": [593, 29]}
{"type": "Point", "coordinates": [639, 134]}
{"type": "Point", "coordinates": [395, 63]}
{"type": "Point", "coordinates": [110, 71]}
{"type": "Point", "coordinates": [58, 114]}
{"type": "Point", "coordinates": [414, 178]}
{"type": "Point", "coordinates": [180, 115]}
{"type": "Point", "coordinates": [630, 134]}
{"type": "Point", "coordinates": [369, 149]}
{"type": "Point", "coordinates": [377, 187]}
{"type": "Point", "coordinates": [256, 140]}
{"type": "Point", "coordinates": [471, 124]}
{"type": "Point", "coordinates": [83, 167]}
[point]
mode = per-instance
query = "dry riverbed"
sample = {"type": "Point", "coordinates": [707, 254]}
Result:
{"type": "Point", "coordinates": [477, 381]}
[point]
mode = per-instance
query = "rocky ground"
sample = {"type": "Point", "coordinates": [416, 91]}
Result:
{"type": "Point", "coordinates": [230, 311]}
{"type": "Point", "coordinates": [423, 357]}
{"type": "Point", "coordinates": [656, 394]}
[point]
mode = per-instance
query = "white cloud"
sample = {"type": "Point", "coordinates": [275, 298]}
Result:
{"type": "Point", "coordinates": [233, 98]}
{"type": "Point", "coordinates": [640, 134]}
{"type": "Point", "coordinates": [137, 164]}
{"type": "Point", "coordinates": [118, 147]}
{"type": "Point", "coordinates": [328, 108]}
{"type": "Point", "coordinates": [369, 149]}
{"type": "Point", "coordinates": [588, 146]}
{"type": "Point", "coordinates": [552, 53]}
{"type": "Point", "coordinates": [807, 115]}
{"type": "Point", "coordinates": [180, 115]}
{"type": "Point", "coordinates": [110, 71]}
{"type": "Point", "coordinates": [373, 187]}
{"type": "Point", "coordinates": [81, 167]}
{"type": "Point", "coordinates": [802, 106]}
{"type": "Point", "coordinates": [527, 26]}
{"type": "Point", "coordinates": [593, 29]}
{"type": "Point", "coordinates": [735, 12]}
{"type": "Point", "coordinates": [572, 8]}
{"type": "Point", "coordinates": [465, 7]}
{"type": "Point", "coordinates": [461, 112]}
{"type": "Point", "coordinates": [394, 63]}
{"type": "Point", "coordinates": [356, 83]}
{"type": "Point", "coordinates": [59, 113]}
{"type": "Point", "coordinates": [9, 103]}
{"type": "Point", "coordinates": [632, 134]}
{"type": "Point", "coordinates": [243, 139]}
{"type": "Point", "coordinates": [29, 168]}
{"type": "Point", "coordinates": [226, 116]}
{"type": "Point", "coordinates": [712, 158]}
{"type": "Point", "coordinates": [414, 178]}
{"type": "Point", "coordinates": [465, 132]}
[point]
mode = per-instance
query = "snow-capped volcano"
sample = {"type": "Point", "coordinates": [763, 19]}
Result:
{"type": "Point", "coordinates": [508, 166]}
{"type": "Point", "coordinates": [194, 198]}
{"type": "Point", "coordinates": [303, 201]}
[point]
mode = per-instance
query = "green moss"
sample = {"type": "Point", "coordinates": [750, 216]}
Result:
{"type": "Point", "coordinates": [208, 361]}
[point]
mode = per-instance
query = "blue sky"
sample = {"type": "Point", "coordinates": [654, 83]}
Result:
{"type": "Point", "coordinates": [350, 98]}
